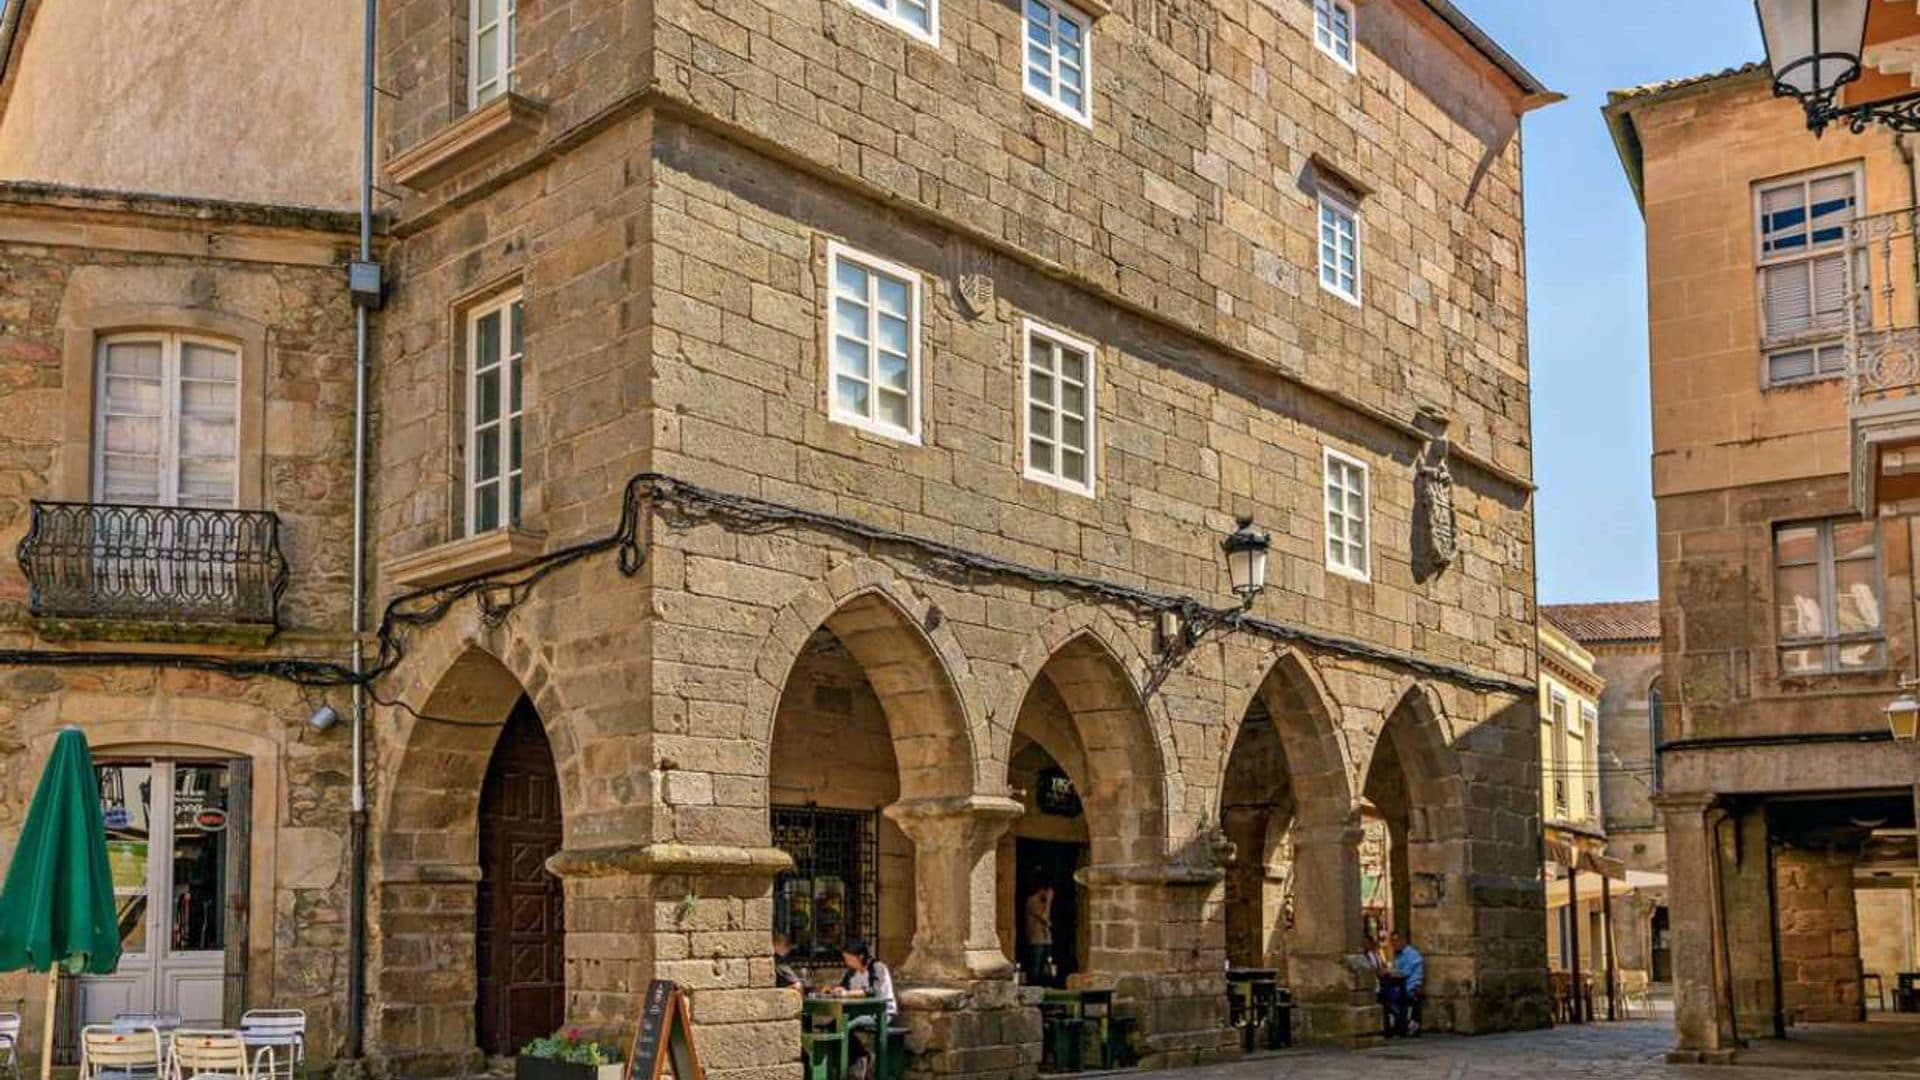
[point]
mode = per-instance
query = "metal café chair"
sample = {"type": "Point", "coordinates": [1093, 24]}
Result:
{"type": "Point", "coordinates": [10, 1044]}
{"type": "Point", "coordinates": [277, 1035]}
{"type": "Point", "coordinates": [110, 1053]}
{"type": "Point", "coordinates": [199, 1054]}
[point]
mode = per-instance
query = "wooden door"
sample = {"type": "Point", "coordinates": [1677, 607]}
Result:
{"type": "Point", "coordinates": [520, 934]}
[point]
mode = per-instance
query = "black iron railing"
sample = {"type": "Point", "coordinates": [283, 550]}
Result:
{"type": "Point", "coordinates": [114, 561]}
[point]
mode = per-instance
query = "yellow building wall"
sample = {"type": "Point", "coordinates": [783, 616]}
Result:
{"type": "Point", "coordinates": [241, 100]}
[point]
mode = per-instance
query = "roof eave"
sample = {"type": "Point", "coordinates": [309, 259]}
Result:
{"type": "Point", "coordinates": [1534, 93]}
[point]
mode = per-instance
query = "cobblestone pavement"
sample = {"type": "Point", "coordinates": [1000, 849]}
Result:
{"type": "Point", "coordinates": [1622, 1051]}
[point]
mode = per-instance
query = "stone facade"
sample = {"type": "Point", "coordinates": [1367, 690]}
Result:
{"type": "Point", "coordinates": [1623, 638]}
{"type": "Point", "coordinates": [667, 219]}
{"type": "Point", "coordinates": [788, 612]}
{"type": "Point", "coordinates": [1767, 758]}
{"type": "Point", "coordinates": [75, 267]}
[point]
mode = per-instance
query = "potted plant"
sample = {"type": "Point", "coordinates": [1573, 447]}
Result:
{"type": "Point", "coordinates": [567, 1055]}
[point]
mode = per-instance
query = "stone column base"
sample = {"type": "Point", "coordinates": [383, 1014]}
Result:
{"type": "Point", "coordinates": [988, 1029]}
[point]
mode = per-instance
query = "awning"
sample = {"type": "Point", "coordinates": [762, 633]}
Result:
{"type": "Point", "coordinates": [1569, 852]}
{"type": "Point", "coordinates": [1589, 886]}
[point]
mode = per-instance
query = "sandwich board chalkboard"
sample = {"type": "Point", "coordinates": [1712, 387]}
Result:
{"type": "Point", "coordinates": [663, 1044]}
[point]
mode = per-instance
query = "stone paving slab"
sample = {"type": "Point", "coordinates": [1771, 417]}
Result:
{"type": "Point", "coordinates": [1621, 1051]}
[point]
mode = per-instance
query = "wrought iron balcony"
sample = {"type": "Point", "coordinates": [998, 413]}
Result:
{"type": "Point", "coordinates": [154, 563]}
{"type": "Point", "coordinates": [1883, 357]}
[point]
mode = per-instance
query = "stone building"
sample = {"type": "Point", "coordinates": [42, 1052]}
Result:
{"type": "Point", "coordinates": [1786, 584]}
{"type": "Point", "coordinates": [805, 440]}
{"type": "Point", "coordinates": [175, 475]}
{"type": "Point", "coordinates": [1579, 876]}
{"type": "Point", "coordinates": [1623, 637]}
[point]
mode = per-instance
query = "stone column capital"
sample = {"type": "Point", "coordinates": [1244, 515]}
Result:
{"type": "Point", "coordinates": [1684, 802]}
{"type": "Point", "coordinates": [716, 860]}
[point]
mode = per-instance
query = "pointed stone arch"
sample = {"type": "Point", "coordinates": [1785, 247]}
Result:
{"type": "Point", "coordinates": [1081, 703]}
{"type": "Point", "coordinates": [1414, 780]}
{"type": "Point", "coordinates": [896, 646]}
{"type": "Point", "coordinates": [1285, 778]}
{"type": "Point", "coordinates": [910, 658]}
{"type": "Point", "coordinates": [427, 848]}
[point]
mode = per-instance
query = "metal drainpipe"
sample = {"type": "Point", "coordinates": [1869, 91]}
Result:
{"type": "Point", "coordinates": [357, 815]}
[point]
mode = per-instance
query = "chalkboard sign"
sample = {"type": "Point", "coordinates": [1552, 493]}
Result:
{"type": "Point", "coordinates": [663, 1044]}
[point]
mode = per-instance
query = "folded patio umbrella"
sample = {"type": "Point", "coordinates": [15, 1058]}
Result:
{"type": "Point", "coordinates": [57, 909]}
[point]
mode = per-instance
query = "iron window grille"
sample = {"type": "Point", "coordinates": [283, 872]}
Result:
{"type": "Point", "coordinates": [180, 564]}
{"type": "Point", "coordinates": [831, 895]}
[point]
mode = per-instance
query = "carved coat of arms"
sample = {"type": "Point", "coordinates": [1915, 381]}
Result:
{"type": "Point", "coordinates": [1435, 541]}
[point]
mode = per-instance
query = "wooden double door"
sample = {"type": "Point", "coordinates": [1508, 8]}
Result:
{"type": "Point", "coordinates": [521, 932]}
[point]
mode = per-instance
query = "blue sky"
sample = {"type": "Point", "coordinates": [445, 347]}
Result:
{"type": "Point", "coordinates": [1586, 272]}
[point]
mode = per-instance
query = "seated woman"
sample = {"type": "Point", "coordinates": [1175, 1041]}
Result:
{"type": "Point", "coordinates": [865, 977]}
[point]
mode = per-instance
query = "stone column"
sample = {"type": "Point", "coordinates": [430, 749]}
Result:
{"type": "Point", "coordinates": [955, 936]}
{"type": "Point", "coordinates": [1692, 896]}
{"type": "Point", "coordinates": [700, 915]}
{"type": "Point", "coordinates": [1331, 981]}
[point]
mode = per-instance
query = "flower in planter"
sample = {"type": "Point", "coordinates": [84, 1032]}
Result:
{"type": "Point", "coordinates": [570, 1046]}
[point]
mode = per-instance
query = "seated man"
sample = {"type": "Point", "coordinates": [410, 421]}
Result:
{"type": "Point", "coordinates": [1403, 988]}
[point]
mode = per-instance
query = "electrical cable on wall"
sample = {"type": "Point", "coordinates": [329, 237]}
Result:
{"type": "Point", "coordinates": [498, 592]}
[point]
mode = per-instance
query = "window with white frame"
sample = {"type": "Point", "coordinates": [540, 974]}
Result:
{"type": "Point", "coordinates": [1339, 246]}
{"type": "Point", "coordinates": [1347, 525]}
{"type": "Point", "coordinates": [1057, 55]}
{"type": "Point", "coordinates": [874, 378]}
{"type": "Point", "coordinates": [167, 414]}
{"type": "Point", "coordinates": [490, 49]}
{"type": "Point", "coordinates": [1557, 721]}
{"type": "Point", "coordinates": [496, 405]}
{"type": "Point", "coordinates": [1333, 29]}
{"type": "Point", "coordinates": [1801, 227]}
{"type": "Point", "coordinates": [921, 18]}
{"type": "Point", "coordinates": [1060, 409]}
{"type": "Point", "coordinates": [1826, 590]}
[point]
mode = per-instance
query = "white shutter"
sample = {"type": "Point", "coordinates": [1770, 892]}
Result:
{"type": "Point", "coordinates": [1830, 290]}
{"type": "Point", "coordinates": [1787, 297]}
{"type": "Point", "coordinates": [1790, 365]}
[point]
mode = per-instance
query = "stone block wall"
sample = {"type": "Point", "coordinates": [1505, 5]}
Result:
{"type": "Point", "coordinates": [1819, 936]}
{"type": "Point", "coordinates": [76, 265]}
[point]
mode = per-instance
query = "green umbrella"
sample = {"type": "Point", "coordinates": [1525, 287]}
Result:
{"type": "Point", "coordinates": [57, 906]}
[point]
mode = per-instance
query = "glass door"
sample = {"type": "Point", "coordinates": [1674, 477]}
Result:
{"type": "Point", "coordinates": [170, 844]}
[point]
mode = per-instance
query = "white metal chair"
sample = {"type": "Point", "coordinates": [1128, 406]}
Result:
{"type": "Point", "coordinates": [1633, 987]}
{"type": "Point", "coordinates": [125, 1054]}
{"type": "Point", "coordinates": [212, 1054]}
{"type": "Point", "coordinates": [10, 1044]}
{"type": "Point", "coordinates": [280, 1035]}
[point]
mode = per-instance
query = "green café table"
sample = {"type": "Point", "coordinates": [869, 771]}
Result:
{"type": "Point", "coordinates": [1089, 1004]}
{"type": "Point", "coordinates": [839, 1013]}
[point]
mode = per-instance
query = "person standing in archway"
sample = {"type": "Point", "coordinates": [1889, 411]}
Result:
{"type": "Point", "coordinates": [1040, 936]}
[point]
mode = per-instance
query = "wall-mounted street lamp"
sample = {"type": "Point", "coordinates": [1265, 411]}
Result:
{"type": "Point", "coordinates": [1814, 49]}
{"type": "Point", "coordinates": [1903, 713]}
{"type": "Point", "coordinates": [1246, 549]}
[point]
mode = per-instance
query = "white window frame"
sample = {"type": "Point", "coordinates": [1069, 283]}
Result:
{"type": "Point", "coordinates": [1059, 11]}
{"type": "Point", "coordinates": [1329, 458]}
{"type": "Point", "coordinates": [1343, 205]}
{"type": "Point", "coordinates": [1816, 339]}
{"type": "Point", "coordinates": [172, 345]}
{"type": "Point", "coordinates": [1826, 563]}
{"type": "Point", "coordinates": [916, 327]}
{"type": "Point", "coordinates": [504, 51]}
{"type": "Point", "coordinates": [1030, 329]}
{"type": "Point", "coordinates": [1324, 15]}
{"type": "Point", "coordinates": [502, 304]}
{"type": "Point", "coordinates": [888, 11]}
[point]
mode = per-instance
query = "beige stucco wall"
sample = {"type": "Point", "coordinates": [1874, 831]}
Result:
{"type": "Point", "coordinates": [248, 100]}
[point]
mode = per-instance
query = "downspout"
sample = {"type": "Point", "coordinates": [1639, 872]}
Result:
{"type": "Point", "coordinates": [364, 284]}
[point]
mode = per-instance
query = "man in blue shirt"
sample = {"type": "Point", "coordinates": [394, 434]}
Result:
{"type": "Point", "coordinates": [1403, 994]}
